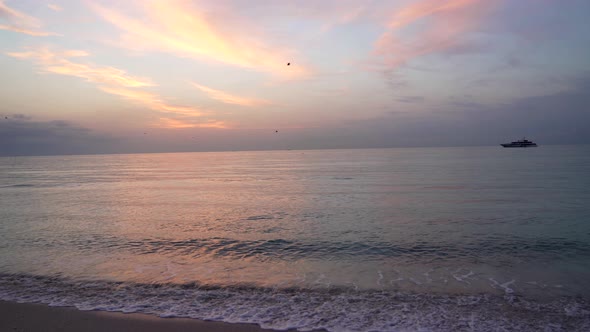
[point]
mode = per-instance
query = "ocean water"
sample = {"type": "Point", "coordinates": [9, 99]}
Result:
{"type": "Point", "coordinates": [416, 239]}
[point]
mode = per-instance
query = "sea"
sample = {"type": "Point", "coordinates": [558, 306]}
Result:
{"type": "Point", "coordinates": [401, 239]}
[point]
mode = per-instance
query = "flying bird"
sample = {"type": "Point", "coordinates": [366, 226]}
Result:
{"type": "Point", "coordinates": [288, 63]}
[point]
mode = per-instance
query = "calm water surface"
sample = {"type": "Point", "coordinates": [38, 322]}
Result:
{"type": "Point", "coordinates": [435, 239]}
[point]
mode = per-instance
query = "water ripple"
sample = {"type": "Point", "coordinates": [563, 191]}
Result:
{"type": "Point", "coordinates": [284, 249]}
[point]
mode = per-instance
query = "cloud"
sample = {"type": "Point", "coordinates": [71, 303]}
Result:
{"type": "Point", "coordinates": [58, 63]}
{"type": "Point", "coordinates": [176, 27]}
{"type": "Point", "coordinates": [410, 99]}
{"type": "Point", "coordinates": [54, 7]}
{"type": "Point", "coordinates": [558, 118]}
{"type": "Point", "coordinates": [187, 123]}
{"type": "Point", "coordinates": [20, 135]}
{"type": "Point", "coordinates": [185, 116]}
{"type": "Point", "coordinates": [110, 80]}
{"type": "Point", "coordinates": [26, 31]}
{"type": "Point", "coordinates": [152, 101]}
{"type": "Point", "coordinates": [345, 15]}
{"type": "Point", "coordinates": [229, 98]}
{"type": "Point", "coordinates": [444, 25]}
{"type": "Point", "coordinates": [13, 14]}
{"type": "Point", "coordinates": [17, 117]}
{"type": "Point", "coordinates": [19, 22]}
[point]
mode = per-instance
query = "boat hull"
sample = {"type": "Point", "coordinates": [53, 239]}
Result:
{"type": "Point", "coordinates": [519, 145]}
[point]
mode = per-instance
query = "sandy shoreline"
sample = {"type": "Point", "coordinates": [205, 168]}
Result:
{"type": "Point", "coordinates": [26, 317]}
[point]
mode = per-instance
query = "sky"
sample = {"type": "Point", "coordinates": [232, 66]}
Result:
{"type": "Point", "coordinates": [106, 76]}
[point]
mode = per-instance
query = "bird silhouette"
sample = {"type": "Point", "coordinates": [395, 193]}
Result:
{"type": "Point", "coordinates": [288, 63]}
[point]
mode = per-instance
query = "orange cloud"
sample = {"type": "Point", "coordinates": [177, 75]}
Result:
{"type": "Point", "coordinates": [186, 117]}
{"type": "Point", "coordinates": [57, 63]}
{"type": "Point", "coordinates": [151, 101]}
{"type": "Point", "coordinates": [445, 23]}
{"type": "Point", "coordinates": [229, 98]}
{"type": "Point", "coordinates": [20, 22]}
{"type": "Point", "coordinates": [175, 27]}
{"type": "Point", "coordinates": [116, 82]}
{"type": "Point", "coordinates": [54, 7]}
{"type": "Point", "coordinates": [178, 124]}
{"type": "Point", "coordinates": [26, 31]}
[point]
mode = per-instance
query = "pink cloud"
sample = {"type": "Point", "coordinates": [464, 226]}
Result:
{"type": "Point", "coordinates": [443, 25]}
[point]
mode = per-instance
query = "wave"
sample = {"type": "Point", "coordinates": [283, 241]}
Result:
{"type": "Point", "coordinates": [290, 250]}
{"type": "Point", "coordinates": [22, 185]}
{"type": "Point", "coordinates": [333, 309]}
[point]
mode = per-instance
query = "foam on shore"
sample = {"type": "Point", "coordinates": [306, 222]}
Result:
{"type": "Point", "coordinates": [333, 309]}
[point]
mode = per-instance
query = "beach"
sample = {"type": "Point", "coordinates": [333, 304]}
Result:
{"type": "Point", "coordinates": [21, 317]}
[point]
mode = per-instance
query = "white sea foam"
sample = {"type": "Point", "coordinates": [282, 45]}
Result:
{"type": "Point", "coordinates": [462, 277]}
{"type": "Point", "coordinates": [333, 309]}
{"type": "Point", "coordinates": [380, 279]}
{"type": "Point", "coordinates": [503, 286]}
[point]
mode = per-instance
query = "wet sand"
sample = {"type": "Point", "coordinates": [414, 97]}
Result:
{"type": "Point", "coordinates": [25, 317]}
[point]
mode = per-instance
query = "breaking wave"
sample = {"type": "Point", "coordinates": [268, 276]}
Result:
{"type": "Point", "coordinates": [332, 309]}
